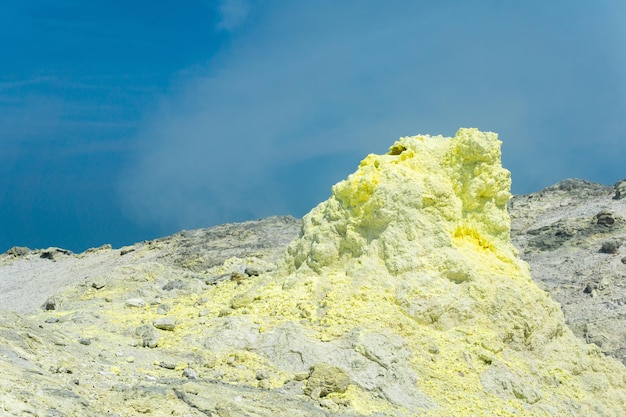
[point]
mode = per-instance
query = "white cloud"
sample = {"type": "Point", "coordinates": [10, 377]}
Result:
{"type": "Point", "coordinates": [311, 83]}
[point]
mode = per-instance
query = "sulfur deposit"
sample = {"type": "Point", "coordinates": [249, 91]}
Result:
{"type": "Point", "coordinates": [413, 251]}
{"type": "Point", "coordinates": [402, 296]}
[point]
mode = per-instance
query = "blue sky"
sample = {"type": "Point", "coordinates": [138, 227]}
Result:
{"type": "Point", "coordinates": [124, 121]}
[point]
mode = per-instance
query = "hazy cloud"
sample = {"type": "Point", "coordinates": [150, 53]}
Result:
{"type": "Point", "coordinates": [233, 13]}
{"type": "Point", "coordinates": [309, 88]}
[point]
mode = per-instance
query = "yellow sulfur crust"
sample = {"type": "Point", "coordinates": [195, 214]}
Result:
{"type": "Point", "coordinates": [416, 244]}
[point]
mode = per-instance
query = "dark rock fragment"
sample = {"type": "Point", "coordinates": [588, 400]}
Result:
{"type": "Point", "coordinates": [620, 189]}
{"type": "Point", "coordinates": [176, 284]}
{"type": "Point", "coordinates": [98, 285]}
{"type": "Point", "coordinates": [252, 272]}
{"type": "Point", "coordinates": [52, 252]}
{"type": "Point", "coordinates": [126, 250]}
{"type": "Point", "coordinates": [590, 287]}
{"type": "Point", "coordinates": [51, 304]}
{"type": "Point", "coordinates": [605, 218]}
{"type": "Point", "coordinates": [18, 251]}
{"type": "Point", "coordinates": [610, 247]}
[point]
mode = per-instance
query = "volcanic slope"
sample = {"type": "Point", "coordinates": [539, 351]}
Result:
{"type": "Point", "coordinates": [402, 296]}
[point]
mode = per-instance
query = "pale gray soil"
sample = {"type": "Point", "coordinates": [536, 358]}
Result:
{"type": "Point", "coordinates": [28, 279]}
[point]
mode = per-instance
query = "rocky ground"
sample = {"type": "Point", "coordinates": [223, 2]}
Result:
{"type": "Point", "coordinates": [571, 234]}
{"type": "Point", "coordinates": [55, 361]}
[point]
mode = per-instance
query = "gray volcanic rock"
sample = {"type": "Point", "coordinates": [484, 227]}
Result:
{"type": "Point", "coordinates": [571, 234]}
{"type": "Point", "coordinates": [29, 278]}
{"type": "Point", "coordinates": [56, 363]}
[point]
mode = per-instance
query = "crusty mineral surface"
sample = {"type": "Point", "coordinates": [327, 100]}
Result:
{"type": "Point", "coordinates": [401, 296]}
{"type": "Point", "coordinates": [572, 234]}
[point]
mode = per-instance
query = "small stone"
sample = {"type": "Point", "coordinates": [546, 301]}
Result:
{"type": "Point", "coordinates": [51, 304]}
{"type": "Point", "coordinates": [47, 255]}
{"type": "Point", "coordinates": [315, 393]}
{"type": "Point", "coordinates": [50, 253]}
{"type": "Point", "coordinates": [238, 277]}
{"type": "Point", "coordinates": [201, 301]}
{"type": "Point", "coordinates": [301, 376]}
{"type": "Point", "coordinates": [190, 373]}
{"type": "Point", "coordinates": [225, 312]}
{"type": "Point", "coordinates": [610, 247]}
{"type": "Point", "coordinates": [130, 359]}
{"type": "Point", "coordinates": [98, 285]}
{"type": "Point", "coordinates": [52, 320]}
{"type": "Point", "coordinates": [166, 365]}
{"type": "Point", "coordinates": [624, 260]}
{"type": "Point", "coordinates": [590, 287]}
{"type": "Point", "coordinates": [620, 189]}
{"type": "Point", "coordinates": [488, 359]}
{"type": "Point", "coordinates": [204, 312]}
{"type": "Point", "coordinates": [84, 341]}
{"type": "Point", "coordinates": [163, 309]}
{"type": "Point", "coordinates": [150, 342]}
{"type": "Point", "coordinates": [174, 285]}
{"type": "Point", "coordinates": [242, 300]}
{"type": "Point", "coordinates": [63, 370]}
{"type": "Point", "coordinates": [148, 334]}
{"type": "Point", "coordinates": [126, 250]}
{"type": "Point", "coordinates": [262, 374]}
{"type": "Point", "coordinates": [216, 279]}
{"type": "Point", "coordinates": [165, 323]}
{"type": "Point", "coordinates": [144, 330]}
{"type": "Point", "coordinates": [329, 404]}
{"type": "Point", "coordinates": [252, 272]}
{"type": "Point", "coordinates": [135, 302]}
{"type": "Point", "coordinates": [605, 218]}
{"type": "Point", "coordinates": [326, 379]}
{"type": "Point", "coordinates": [106, 246]}
{"type": "Point", "coordinates": [604, 284]}
{"type": "Point", "coordinates": [18, 251]}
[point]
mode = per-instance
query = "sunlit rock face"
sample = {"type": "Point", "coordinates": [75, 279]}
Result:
{"type": "Point", "coordinates": [402, 296]}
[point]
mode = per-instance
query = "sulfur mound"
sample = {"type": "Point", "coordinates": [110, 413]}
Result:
{"type": "Point", "coordinates": [402, 296]}
{"type": "Point", "coordinates": [409, 264]}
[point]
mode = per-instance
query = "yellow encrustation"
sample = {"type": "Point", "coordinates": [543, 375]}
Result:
{"type": "Point", "coordinates": [415, 246]}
